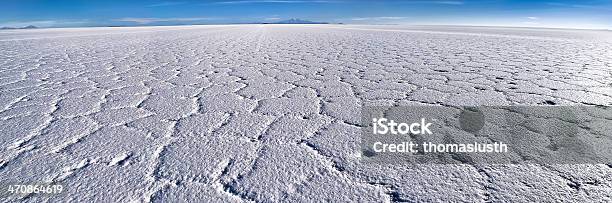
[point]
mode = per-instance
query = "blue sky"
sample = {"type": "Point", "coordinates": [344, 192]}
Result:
{"type": "Point", "coordinates": [78, 13]}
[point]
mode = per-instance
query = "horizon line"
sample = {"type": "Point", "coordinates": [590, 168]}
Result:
{"type": "Point", "coordinates": [321, 23]}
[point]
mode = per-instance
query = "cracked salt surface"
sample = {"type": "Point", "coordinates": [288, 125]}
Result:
{"type": "Point", "coordinates": [264, 113]}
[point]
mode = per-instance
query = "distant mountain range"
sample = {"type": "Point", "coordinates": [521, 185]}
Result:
{"type": "Point", "coordinates": [297, 21]}
{"type": "Point", "coordinates": [12, 28]}
{"type": "Point", "coordinates": [289, 21]}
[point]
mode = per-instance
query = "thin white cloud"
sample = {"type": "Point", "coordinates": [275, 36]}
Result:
{"type": "Point", "coordinates": [273, 18]}
{"type": "Point", "coordinates": [167, 3]}
{"type": "Point", "coordinates": [556, 4]}
{"type": "Point", "coordinates": [43, 23]}
{"type": "Point", "coordinates": [580, 6]}
{"type": "Point", "coordinates": [450, 2]}
{"type": "Point", "coordinates": [156, 20]}
{"type": "Point", "coordinates": [532, 18]}
{"type": "Point", "coordinates": [274, 1]}
{"type": "Point", "coordinates": [378, 18]}
{"type": "Point", "coordinates": [391, 17]}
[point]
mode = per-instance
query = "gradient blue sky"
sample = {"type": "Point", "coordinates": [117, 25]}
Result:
{"type": "Point", "coordinates": [77, 13]}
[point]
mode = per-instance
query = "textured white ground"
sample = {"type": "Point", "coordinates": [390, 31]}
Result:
{"type": "Point", "coordinates": [270, 113]}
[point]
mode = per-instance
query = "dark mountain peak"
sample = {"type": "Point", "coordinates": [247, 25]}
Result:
{"type": "Point", "coordinates": [298, 21]}
{"type": "Point", "coordinates": [12, 28]}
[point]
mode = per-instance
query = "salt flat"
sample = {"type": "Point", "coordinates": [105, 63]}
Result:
{"type": "Point", "coordinates": [269, 113]}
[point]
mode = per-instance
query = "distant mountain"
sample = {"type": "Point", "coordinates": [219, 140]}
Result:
{"type": "Point", "coordinates": [298, 21]}
{"type": "Point", "coordinates": [12, 28]}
